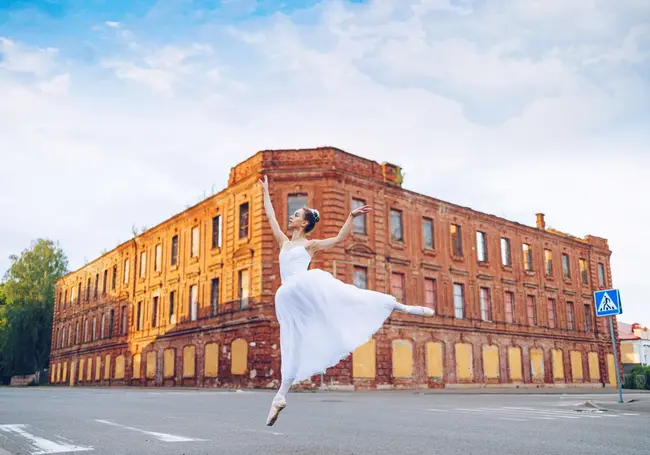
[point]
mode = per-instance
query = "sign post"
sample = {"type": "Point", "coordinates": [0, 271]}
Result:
{"type": "Point", "coordinates": [608, 304]}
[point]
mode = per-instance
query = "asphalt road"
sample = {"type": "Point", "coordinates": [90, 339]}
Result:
{"type": "Point", "coordinates": [162, 421]}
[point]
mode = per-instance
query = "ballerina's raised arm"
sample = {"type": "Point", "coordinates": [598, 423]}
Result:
{"type": "Point", "coordinates": [280, 236]}
{"type": "Point", "coordinates": [319, 245]}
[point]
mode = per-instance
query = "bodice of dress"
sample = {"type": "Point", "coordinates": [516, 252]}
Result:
{"type": "Point", "coordinates": [293, 261]}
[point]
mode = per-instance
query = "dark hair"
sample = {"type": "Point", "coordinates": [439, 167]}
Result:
{"type": "Point", "coordinates": [311, 217]}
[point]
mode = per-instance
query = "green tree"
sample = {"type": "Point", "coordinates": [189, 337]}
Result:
{"type": "Point", "coordinates": [33, 274]}
{"type": "Point", "coordinates": [26, 307]}
{"type": "Point", "coordinates": [3, 372]}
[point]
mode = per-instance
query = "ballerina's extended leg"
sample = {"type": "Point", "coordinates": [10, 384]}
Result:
{"type": "Point", "coordinates": [279, 401]}
{"type": "Point", "coordinates": [412, 309]}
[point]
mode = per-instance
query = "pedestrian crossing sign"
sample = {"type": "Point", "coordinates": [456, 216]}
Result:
{"type": "Point", "coordinates": [608, 302]}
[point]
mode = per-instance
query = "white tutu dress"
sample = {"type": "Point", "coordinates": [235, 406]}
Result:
{"type": "Point", "coordinates": [322, 320]}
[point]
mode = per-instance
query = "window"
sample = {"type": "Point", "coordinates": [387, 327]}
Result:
{"type": "Point", "coordinates": [430, 294]}
{"type": "Point", "coordinates": [114, 278]}
{"type": "Point", "coordinates": [528, 257]}
{"type": "Point", "coordinates": [154, 312]}
{"type": "Point", "coordinates": [601, 275]}
{"type": "Point", "coordinates": [174, 260]}
{"type": "Point", "coordinates": [459, 301]}
{"type": "Point", "coordinates": [172, 307]}
{"type": "Point", "coordinates": [194, 242]}
{"type": "Point", "coordinates": [294, 203]}
{"type": "Point", "coordinates": [143, 264]}
{"type": "Point", "coordinates": [70, 335]}
{"type": "Point", "coordinates": [101, 327]}
{"type": "Point", "coordinates": [481, 247]}
{"type": "Point", "coordinates": [531, 310]}
{"type": "Point", "coordinates": [214, 296]}
{"type": "Point", "coordinates": [359, 223]}
{"type": "Point", "coordinates": [397, 286]}
{"type": "Point", "coordinates": [552, 313]}
{"type": "Point", "coordinates": [157, 263]}
{"type": "Point", "coordinates": [456, 240]}
{"type": "Point", "coordinates": [105, 282]}
{"type": "Point", "coordinates": [96, 284]}
{"type": "Point", "coordinates": [65, 298]}
{"type": "Point", "coordinates": [216, 232]}
{"type": "Point", "coordinates": [566, 267]}
{"type": "Point", "coordinates": [79, 292]}
{"type": "Point", "coordinates": [88, 290]}
{"type": "Point", "coordinates": [587, 317]}
{"type": "Point", "coordinates": [570, 315]}
{"type": "Point", "coordinates": [427, 234]}
{"type": "Point", "coordinates": [123, 317]}
{"type": "Point", "coordinates": [138, 320]}
{"type": "Point", "coordinates": [56, 339]}
{"type": "Point", "coordinates": [583, 271]}
{"type": "Point", "coordinates": [85, 338]}
{"type": "Point", "coordinates": [194, 293]}
{"type": "Point", "coordinates": [486, 305]}
{"type": "Point", "coordinates": [506, 257]}
{"type": "Point", "coordinates": [72, 296]}
{"type": "Point", "coordinates": [94, 329]}
{"type": "Point", "coordinates": [243, 220]}
{"type": "Point", "coordinates": [396, 228]}
{"type": "Point", "coordinates": [548, 262]}
{"type": "Point", "coordinates": [126, 271]}
{"type": "Point", "coordinates": [76, 332]}
{"type": "Point", "coordinates": [360, 277]}
{"type": "Point", "coordinates": [510, 307]}
{"type": "Point", "coordinates": [244, 288]}
{"type": "Point", "coordinates": [111, 319]}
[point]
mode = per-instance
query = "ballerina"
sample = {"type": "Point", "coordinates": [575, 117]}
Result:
{"type": "Point", "coordinates": [322, 320]}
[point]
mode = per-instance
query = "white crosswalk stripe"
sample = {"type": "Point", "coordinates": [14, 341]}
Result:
{"type": "Point", "coordinates": [39, 445]}
{"type": "Point", "coordinates": [164, 437]}
{"type": "Point", "coordinates": [39, 441]}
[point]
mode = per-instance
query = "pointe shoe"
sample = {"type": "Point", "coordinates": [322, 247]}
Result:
{"type": "Point", "coordinates": [427, 312]}
{"type": "Point", "coordinates": [276, 408]}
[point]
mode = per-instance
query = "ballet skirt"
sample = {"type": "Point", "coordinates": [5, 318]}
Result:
{"type": "Point", "coordinates": [322, 319]}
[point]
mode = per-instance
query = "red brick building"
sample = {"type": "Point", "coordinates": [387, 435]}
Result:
{"type": "Point", "coordinates": [190, 301]}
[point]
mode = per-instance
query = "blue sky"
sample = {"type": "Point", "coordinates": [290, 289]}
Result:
{"type": "Point", "coordinates": [518, 106]}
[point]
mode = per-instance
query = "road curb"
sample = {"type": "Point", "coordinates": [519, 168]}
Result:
{"type": "Point", "coordinates": [591, 404]}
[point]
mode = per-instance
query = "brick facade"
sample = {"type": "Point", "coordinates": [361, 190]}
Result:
{"type": "Point", "coordinates": [230, 337]}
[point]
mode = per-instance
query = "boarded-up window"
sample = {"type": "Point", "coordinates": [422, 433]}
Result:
{"type": "Point", "coordinates": [397, 286]}
{"type": "Point", "coordinates": [195, 243]}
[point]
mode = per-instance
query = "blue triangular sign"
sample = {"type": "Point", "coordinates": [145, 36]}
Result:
{"type": "Point", "coordinates": [607, 304]}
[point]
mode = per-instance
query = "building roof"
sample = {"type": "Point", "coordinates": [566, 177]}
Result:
{"type": "Point", "coordinates": [625, 332]}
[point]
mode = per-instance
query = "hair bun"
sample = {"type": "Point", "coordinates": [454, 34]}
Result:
{"type": "Point", "coordinates": [316, 215]}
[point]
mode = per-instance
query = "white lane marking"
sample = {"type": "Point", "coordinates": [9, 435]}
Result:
{"type": "Point", "coordinates": [557, 413]}
{"type": "Point", "coordinates": [529, 413]}
{"type": "Point", "coordinates": [630, 414]}
{"type": "Point", "coordinates": [42, 445]}
{"type": "Point", "coordinates": [492, 411]}
{"type": "Point", "coordinates": [512, 419]}
{"type": "Point", "coordinates": [165, 437]}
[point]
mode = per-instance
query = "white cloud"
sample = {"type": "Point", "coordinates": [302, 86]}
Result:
{"type": "Point", "coordinates": [484, 104]}
{"type": "Point", "coordinates": [112, 24]}
{"type": "Point", "coordinates": [57, 85]}
{"type": "Point", "coordinates": [157, 80]}
{"type": "Point", "coordinates": [161, 68]}
{"type": "Point", "coordinates": [22, 59]}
